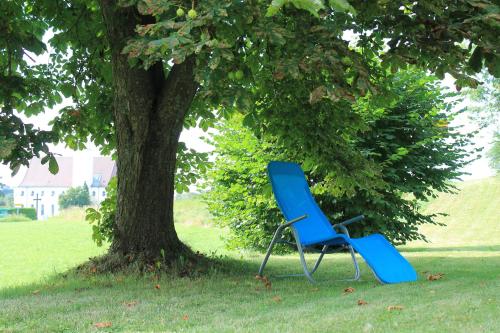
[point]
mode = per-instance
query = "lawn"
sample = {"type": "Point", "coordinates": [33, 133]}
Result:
{"type": "Point", "coordinates": [465, 299]}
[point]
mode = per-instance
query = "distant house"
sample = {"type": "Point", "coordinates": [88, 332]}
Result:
{"type": "Point", "coordinates": [42, 187]}
{"type": "Point", "coordinates": [103, 168]}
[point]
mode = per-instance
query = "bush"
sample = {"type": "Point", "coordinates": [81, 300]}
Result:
{"type": "Point", "coordinates": [29, 212]}
{"type": "Point", "coordinates": [103, 219]}
{"type": "Point", "coordinates": [75, 196]}
{"type": "Point", "coordinates": [410, 142]}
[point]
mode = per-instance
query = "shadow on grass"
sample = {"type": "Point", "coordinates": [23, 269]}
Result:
{"type": "Point", "coordinates": [480, 248]}
{"type": "Point", "coordinates": [331, 273]}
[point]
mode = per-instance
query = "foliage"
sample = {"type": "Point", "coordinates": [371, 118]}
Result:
{"type": "Point", "coordinates": [103, 218]}
{"type": "Point", "coordinates": [486, 112]}
{"type": "Point", "coordinates": [28, 212]}
{"type": "Point", "coordinates": [283, 50]}
{"type": "Point", "coordinates": [6, 196]}
{"type": "Point", "coordinates": [275, 61]}
{"type": "Point", "coordinates": [410, 141]}
{"type": "Point", "coordinates": [76, 196]}
{"type": "Point", "coordinates": [494, 153]}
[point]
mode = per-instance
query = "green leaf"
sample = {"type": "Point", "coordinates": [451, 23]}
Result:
{"type": "Point", "coordinates": [275, 7]}
{"type": "Point", "coordinates": [476, 60]}
{"type": "Point", "coordinates": [312, 6]}
{"type": "Point", "coordinates": [342, 6]}
{"type": "Point", "coordinates": [53, 166]}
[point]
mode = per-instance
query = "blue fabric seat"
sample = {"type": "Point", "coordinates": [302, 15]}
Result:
{"type": "Point", "coordinates": [311, 227]}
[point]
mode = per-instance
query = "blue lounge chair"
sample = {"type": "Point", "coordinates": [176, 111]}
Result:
{"type": "Point", "coordinates": [311, 228]}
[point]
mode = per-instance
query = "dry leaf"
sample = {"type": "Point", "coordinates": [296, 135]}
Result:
{"type": "Point", "coordinates": [434, 277]}
{"type": "Point", "coordinates": [157, 286]}
{"type": "Point", "coordinates": [103, 324]}
{"type": "Point", "coordinates": [349, 290]}
{"type": "Point", "coordinates": [258, 277]}
{"type": "Point", "coordinates": [35, 292]}
{"type": "Point", "coordinates": [314, 289]}
{"type": "Point", "coordinates": [362, 302]}
{"type": "Point", "coordinates": [394, 307]}
{"type": "Point", "coordinates": [93, 270]}
{"type": "Point", "coordinates": [277, 299]}
{"type": "Point", "coordinates": [130, 304]}
{"type": "Point", "coordinates": [185, 317]}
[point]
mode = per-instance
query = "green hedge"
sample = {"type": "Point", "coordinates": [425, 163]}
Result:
{"type": "Point", "coordinates": [28, 212]}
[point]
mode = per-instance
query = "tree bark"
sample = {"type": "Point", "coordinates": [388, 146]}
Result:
{"type": "Point", "coordinates": [149, 109]}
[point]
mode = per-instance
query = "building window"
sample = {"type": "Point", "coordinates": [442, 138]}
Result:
{"type": "Point", "coordinates": [42, 210]}
{"type": "Point", "coordinates": [32, 193]}
{"type": "Point", "coordinates": [42, 193]}
{"type": "Point", "coordinates": [22, 193]}
{"type": "Point", "coordinates": [52, 210]}
{"type": "Point", "coordinates": [32, 206]}
{"type": "Point", "coordinates": [53, 193]}
{"type": "Point", "coordinates": [103, 193]}
{"type": "Point", "coordinates": [93, 193]}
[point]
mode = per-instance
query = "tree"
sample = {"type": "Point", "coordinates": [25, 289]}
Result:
{"type": "Point", "coordinates": [487, 113]}
{"type": "Point", "coordinates": [411, 140]}
{"type": "Point", "coordinates": [138, 72]}
{"type": "Point", "coordinates": [75, 197]}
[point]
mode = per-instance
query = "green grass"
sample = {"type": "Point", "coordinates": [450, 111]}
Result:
{"type": "Point", "coordinates": [15, 218]}
{"type": "Point", "coordinates": [466, 299]}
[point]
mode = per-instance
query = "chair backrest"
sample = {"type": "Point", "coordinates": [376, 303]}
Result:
{"type": "Point", "coordinates": [295, 199]}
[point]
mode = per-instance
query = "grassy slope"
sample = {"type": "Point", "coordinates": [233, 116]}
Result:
{"type": "Point", "coordinates": [466, 299]}
{"type": "Point", "coordinates": [473, 219]}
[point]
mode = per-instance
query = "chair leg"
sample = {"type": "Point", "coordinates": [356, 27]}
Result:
{"type": "Point", "coordinates": [357, 274]}
{"type": "Point", "coordinates": [316, 265]}
{"type": "Point", "coordinates": [269, 250]}
{"type": "Point", "coordinates": [303, 262]}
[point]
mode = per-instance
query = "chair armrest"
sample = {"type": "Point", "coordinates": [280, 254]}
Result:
{"type": "Point", "coordinates": [289, 223]}
{"type": "Point", "coordinates": [354, 219]}
{"type": "Point", "coordinates": [342, 225]}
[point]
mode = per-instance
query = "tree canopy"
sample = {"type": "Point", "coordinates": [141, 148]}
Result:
{"type": "Point", "coordinates": [415, 149]}
{"type": "Point", "coordinates": [138, 71]}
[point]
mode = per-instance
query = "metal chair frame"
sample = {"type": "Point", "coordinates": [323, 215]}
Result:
{"type": "Point", "coordinates": [308, 273]}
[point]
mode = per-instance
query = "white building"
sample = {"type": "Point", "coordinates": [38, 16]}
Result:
{"type": "Point", "coordinates": [40, 189]}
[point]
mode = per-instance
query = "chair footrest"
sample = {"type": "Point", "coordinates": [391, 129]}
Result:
{"type": "Point", "coordinates": [386, 262]}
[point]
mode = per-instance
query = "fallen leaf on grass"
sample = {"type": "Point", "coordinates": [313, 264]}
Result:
{"type": "Point", "coordinates": [277, 299]}
{"type": "Point", "coordinates": [157, 286]}
{"type": "Point", "coordinates": [130, 304]}
{"type": "Point", "coordinates": [103, 324]}
{"type": "Point", "coordinates": [434, 277]}
{"type": "Point", "coordinates": [265, 281]}
{"type": "Point", "coordinates": [395, 307]}
{"type": "Point", "coordinates": [93, 270]}
{"type": "Point", "coordinates": [314, 289]}
{"type": "Point", "coordinates": [185, 317]}
{"type": "Point", "coordinates": [349, 290]}
{"type": "Point", "coordinates": [362, 302]}
{"type": "Point", "coordinates": [35, 292]}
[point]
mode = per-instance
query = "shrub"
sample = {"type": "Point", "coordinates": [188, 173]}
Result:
{"type": "Point", "coordinates": [28, 212]}
{"type": "Point", "coordinates": [75, 196]}
{"type": "Point", "coordinates": [410, 142]}
{"type": "Point", "coordinates": [103, 219]}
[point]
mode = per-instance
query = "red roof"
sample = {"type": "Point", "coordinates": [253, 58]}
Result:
{"type": "Point", "coordinates": [38, 175]}
{"type": "Point", "coordinates": [103, 169]}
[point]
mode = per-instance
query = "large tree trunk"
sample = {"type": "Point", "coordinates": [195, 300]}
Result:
{"type": "Point", "coordinates": [149, 109]}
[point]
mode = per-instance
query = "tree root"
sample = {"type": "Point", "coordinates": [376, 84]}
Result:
{"type": "Point", "coordinates": [184, 263]}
